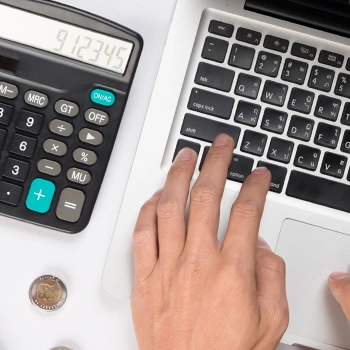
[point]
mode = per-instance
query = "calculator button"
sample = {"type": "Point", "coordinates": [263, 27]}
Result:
{"type": "Point", "coordinates": [22, 145]}
{"type": "Point", "coordinates": [215, 49]}
{"type": "Point", "coordinates": [6, 113]}
{"type": "Point", "coordinates": [277, 44]}
{"type": "Point", "coordinates": [102, 97]}
{"type": "Point", "coordinates": [3, 134]}
{"type": "Point", "coordinates": [94, 116]}
{"type": "Point", "coordinates": [55, 147]}
{"type": "Point", "coordinates": [40, 195]}
{"type": "Point", "coordinates": [67, 108]}
{"type": "Point", "coordinates": [241, 56]}
{"type": "Point", "coordinates": [331, 59]}
{"type": "Point", "coordinates": [36, 99]}
{"type": "Point", "coordinates": [221, 28]}
{"type": "Point", "coordinates": [61, 128]}
{"type": "Point", "coordinates": [49, 167]}
{"type": "Point", "coordinates": [29, 122]}
{"type": "Point", "coordinates": [9, 91]}
{"type": "Point", "coordinates": [70, 205]}
{"type": "Point", "coordinates": [348, 64]}
{"type": "Point", "coordinates": [304, 51]}
{"type": "Point", "coordinates": [92, 137]}
{"type": "Point", "coordinates": [9, 193]}
{"type": "Point", "coordinates": [248, 36]}
{"type": "Point", "coordinates": [15, 169]}
{"type": "Point", "coordinates": [85, 156]}
{"type": "Point", "coordinates": [79, 176]}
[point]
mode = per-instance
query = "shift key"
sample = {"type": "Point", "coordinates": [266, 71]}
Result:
{"type": "Point", "coordinates": [210, 103]}
{"type": "Point", "coordinates": [206, 129]}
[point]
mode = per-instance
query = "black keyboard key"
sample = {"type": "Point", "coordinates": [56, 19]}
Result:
{"type": "Point", "coordinates": [247, 113]}
{"type": "Point", "coordinates": [181, 144]}
{"type": "Point", "coordinates": [345, 145]}
{"type": "Point", "coordinates": [241, 56]}
{"type": "Point", "coordinates": [327, 135]}
{"type": "Point", "coordinates": [275, 43]}
{"type": "Point", "coordinates": [30, 122]}
{"type": "Point", "coordinates": [307, 157]}
{"type": "Point", "coordinates": [274, 121]}
{"type": "Point", "coordinates": [343, 85]}
{"type": "Point", "coordinates": [301, 100]}
{"type": "Point", "coordinates": [331, 59]}
{"type": "Point", "coordinates": [348, 64]}
{"type": "Point", "coordinates": [3, 134]}
{"type": "Point", "coordinates": [319, 190]}
{"type": "Point", "coordinates": [278, 174]}
{"type": "Point", "coordinates": [327, 108]}
{"type": "Point", "coordinates": [294, 71]}
{"type": "Point", "coordinates": [10, 194]}
{"type": "Point", "coordinates": [248, 86]}
{"type": "Point", "coordinates": [300, 128]}
{"type": "Point", "coordinates": [206, 129]}
{"type": "Point", "coordinates": [268, 64]}
{"type": "Point", "coordinates": [254, 143]}
{"type": "Point", "coordinates": [221, 28]}
{"type": "Point", "coordinates": [215, 49]}
{"type": "Point", "coordinates": [333, 165]}
{"type": "Point", "coordinates": [345, 119]}
{"type": "Point", "coordinates": [280, 150]}
{"type": "Point", "coordinates": [248, 36]}
{"type": "Point", "coordinates": [6, 113]}
{"type": "Point", "coordinates": [214, 77]}
{"type": "Point", "coordinates": [321, 78]}
{"type": "Point", "coordinates": [15, 169]}
{"type": "Point", "coordinates": [274, 93]}
{"type": "Point", "coordinates": [304, 51]}
{"type": "Point", "coordinates": [209, 103]}
{"type": "Point", "coordinates": [22, 145]}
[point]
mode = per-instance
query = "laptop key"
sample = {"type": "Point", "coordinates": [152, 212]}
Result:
{"type": "Point", "coordinates": [333, 165]}
{"type": "Point", "coordinates": [294, 71]}
{"type": "Point", "coordinates": [278, 176]}
{"type": "Point", "coordinates": [181, 144]}
{"type": "Point", "coordinates": [210, 103]}
{"type": "Point", "coordinates": [345, 119]}
{"type": "Point", "coordinates": [321, 78]}
{"type": "Point", "coordinates": [268, 64]}
{"type": "Point", "coordinates": [345, 145]}
{"type": "Point", "coordinates": [248, 36]}
{"type": "Point", "coordinates": [327, 135]}
{"type": "Point", "coordinates": [221, 28]}
{"type": "Point", "coordinates": [254, 143]}
{"type": "Point", "coordinates": [206, 129]}
{"type": "Point", "coordinates": [301, 100]}
{"type": "Point", "coordinates": [275, 43]}
{"type": "Point", "coordinates": [248, 86]}
{"type": "Point", "coordinates": [343, 85]}
{"type": "Point", "coordinates": [331, 59]}
{"type": "Point", "coordinates": [241, 56]}
{"type": "Point", "coordinates": [327, 108]}
{"type": "Point", "coordinates": [247, 113]}
{"type": "Point", "coordinates": [307, 157]}
{"type": "Point", "coordinates": [274, 93]}
{"type": "Point", "coordinates": [280, 150]}
{"type": "Point", "coordinates": [274, 121]}
{"type": "Point", "coordinates": [304, 51]}
{"type": "Point", "coordinates": [300, 128]}
{"type": "Point", "coordinates": [215, 49]}
{"type": "Point", "coordinates": [214, 77]}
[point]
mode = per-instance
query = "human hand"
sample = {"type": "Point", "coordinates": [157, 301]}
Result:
{"type": "Point", "coordinates": [339, 283]}
{"type": "Point", "coordinates": [192, 292]}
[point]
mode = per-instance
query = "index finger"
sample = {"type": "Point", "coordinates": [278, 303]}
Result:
{"type": "Point", "coordinates": [243, 228]}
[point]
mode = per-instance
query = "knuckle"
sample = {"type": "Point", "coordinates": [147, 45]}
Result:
{"type": "Point", "coordinates": [149, 205]}
{"type": "Point", "coordinates": [168, 208]}
{"type": "Point", "coordinates": [193, 268]}
{"type": "Point", "coordinates": [344, 289]}
{"type": "Point", "coordinates": [217, 157]}
{"type": "Point", "coordinates": [203, 193]}
{"type": "Point", "coordinates": [142, 235]}
{"type": "Point", "coordinates": [273, 263]}
{"type": "Point", "coordinates": [245, 209]}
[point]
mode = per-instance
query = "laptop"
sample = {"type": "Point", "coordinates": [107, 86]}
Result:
{"type": "Point", "coordinates": [275, 75]}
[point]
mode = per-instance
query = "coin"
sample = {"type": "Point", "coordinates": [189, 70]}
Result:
{"type": "Point", "coordinates": [48, 293]}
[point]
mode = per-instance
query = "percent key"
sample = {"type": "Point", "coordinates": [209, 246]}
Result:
{"type": "Point", "coordinates": [84, 156]}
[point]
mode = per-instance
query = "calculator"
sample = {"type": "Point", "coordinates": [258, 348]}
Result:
{"type": "Point", "coordinates": [65, 77]}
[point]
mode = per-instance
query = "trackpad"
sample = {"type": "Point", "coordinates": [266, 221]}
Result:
{"type": "Point", "coordinates": [311, 254]}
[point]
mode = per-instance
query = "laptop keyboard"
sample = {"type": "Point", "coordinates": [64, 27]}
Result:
{"type": "Point", "coordinates": [286, 104]}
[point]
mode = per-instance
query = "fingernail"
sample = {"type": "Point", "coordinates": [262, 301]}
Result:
{"type": "Point", "coordinates": [158, 193]}
{"type": "Point", "coordinates": [261, 170]}
{"type": "Point", "coordinates": [338, 275]}
{"type": "Point", "coordinates": [261, 243]}
{"type": "Point", "coordinates": [222, 140]}
{"type": "Point", "coordinates": [185, 154]}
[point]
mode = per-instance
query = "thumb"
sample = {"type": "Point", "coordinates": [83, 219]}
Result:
{"type": "Point", "coordinates": [339, 283]}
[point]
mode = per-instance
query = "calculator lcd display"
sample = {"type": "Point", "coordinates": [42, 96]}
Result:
{"type": "Point", "coordinates": [64, 39]}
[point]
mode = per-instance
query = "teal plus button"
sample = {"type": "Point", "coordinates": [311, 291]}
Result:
{"type": "Point", "coordinates": [40, 196]}
{"type": "Point", "coordinates": [102, 97]}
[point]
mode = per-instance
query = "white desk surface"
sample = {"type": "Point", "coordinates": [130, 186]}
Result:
{"type": "Point", "coordinates": [90, 319]}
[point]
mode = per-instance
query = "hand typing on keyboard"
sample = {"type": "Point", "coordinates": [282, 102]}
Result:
{"type": "Point", "coordinates": [192, 292]}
